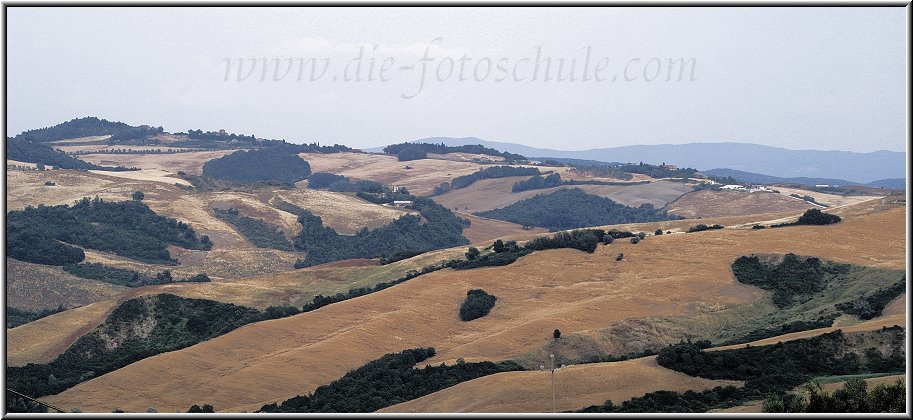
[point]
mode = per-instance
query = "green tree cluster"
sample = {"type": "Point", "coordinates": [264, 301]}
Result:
{"type": "Point", "coordinates": [130, 228]}
{"type": "Point", "coordinates": [573, 208]}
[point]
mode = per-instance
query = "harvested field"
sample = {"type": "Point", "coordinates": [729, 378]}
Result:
{"type": "Point", "coordinates": [26, 188]}
{"type": "Point", "coordinates": [34, 287]}
{"type": "Point", "coordinates": [832, 200]}
{"type": "Point", "coordinates": [489, 194]}
{"type": "Point", "coordinates": [190, 162]}
{"type": "Point", "coordinates": [576, 387]}
{"type": "Point", "coordinates": [709, 203]}
{"type": "Point", "coordinates": [483, 230]}
{"type": "Point", "coordinates": [566, 289]}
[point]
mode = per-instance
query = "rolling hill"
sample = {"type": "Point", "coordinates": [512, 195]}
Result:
{"type": "Point", "coordinates": [576, 292]}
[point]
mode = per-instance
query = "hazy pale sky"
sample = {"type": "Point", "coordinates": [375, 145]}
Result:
{"type": "Point", "coordinates": [814, 78]}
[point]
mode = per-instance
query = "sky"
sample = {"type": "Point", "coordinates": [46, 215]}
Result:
{"type": "Point", "coordinates": [812, 78]}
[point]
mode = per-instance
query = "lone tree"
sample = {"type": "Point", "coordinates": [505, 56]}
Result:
{"type": "Point", "coordinates": [658, 232]}
{"type": "Point", "coordinates": [498, 246]}
{"type": "Point", "coordinates": [817, 217]}
{"type": "Point", "coordinates": [477, 304]}
{"type": "Point", "coordinates": [472, 253]}
{"type": "Point", "coordinates": [556, 334]}
{"type": "Point", "coordinates": [620, 257]}
{"type": "Point", "coordinates": [138, 196]}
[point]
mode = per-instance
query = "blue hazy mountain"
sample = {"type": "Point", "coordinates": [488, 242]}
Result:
{"type": "Point", "coordinates": [860, 168]}
{"type": "Point", "coordinates": [753, 178]}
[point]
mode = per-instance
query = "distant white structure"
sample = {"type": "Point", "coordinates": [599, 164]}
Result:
{"type": "Point", "coordinates": [822, 185]}
{"type": "Point", "coordinates": [402, 203]}
{"type": "Point", "coordinates": [733, 187]}
{"type": "Point", "coordinates": [759, 188]}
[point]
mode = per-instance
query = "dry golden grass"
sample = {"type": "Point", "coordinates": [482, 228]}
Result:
{"type": "Point", "coordinates": [565, 289]}
{"type": "Point", "coordinates": [190, 162]}
{"type": "Point", "coordinates": [26, 188]}
{"type": "Point", "coordinates": [41, 341]}
{"type": "Point", "coordinates": [576, 387]}
{"type": "Point", "coordinates": [482, 231]}
{"type": "Point", "coordinates": [708, 203]}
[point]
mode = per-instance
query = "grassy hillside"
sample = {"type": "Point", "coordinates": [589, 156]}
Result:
{"type": "Point", "coordinates": [136, 329]}
{"type": "Point", "coordinates": [576, 292]}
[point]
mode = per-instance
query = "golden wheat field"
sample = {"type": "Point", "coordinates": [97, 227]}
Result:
{"type": "Point", "coordinates": [566, 289]}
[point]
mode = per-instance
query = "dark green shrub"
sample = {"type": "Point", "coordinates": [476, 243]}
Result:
{"type": "Point", "coordinates": [477, 304]}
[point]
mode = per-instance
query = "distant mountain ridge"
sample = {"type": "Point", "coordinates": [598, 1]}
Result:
{"type": "Point", "coordinates": [860, 168]}
{"type": "Point", "coordinates": [753, 178]}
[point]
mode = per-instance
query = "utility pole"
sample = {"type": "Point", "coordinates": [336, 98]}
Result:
{"type": "Point", "coordinates": [552, 357]}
